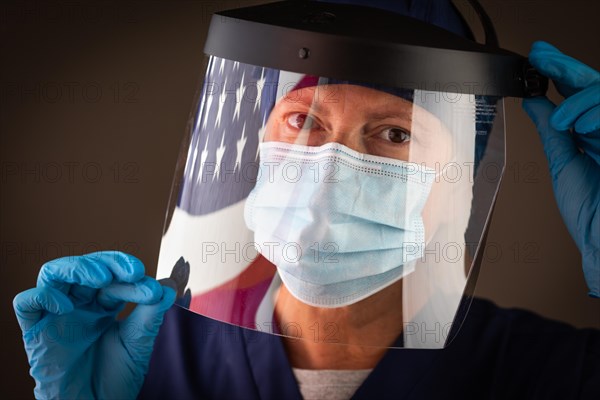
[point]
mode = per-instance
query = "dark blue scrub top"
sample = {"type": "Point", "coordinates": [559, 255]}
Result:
{"type": "Point", "coordinates": [498, 354]}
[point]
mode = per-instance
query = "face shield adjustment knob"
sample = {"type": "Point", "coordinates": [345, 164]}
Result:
{"type": "Point", "coordinates": [303, 53]}
{"type": "Point", "coordinates": [535, 83]}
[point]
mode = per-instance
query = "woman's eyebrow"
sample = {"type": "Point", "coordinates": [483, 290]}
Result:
{"type": "Point", "coordinates": [317, 108]}
{"type": "Point", "coordinates": [403, 114]}
{"type": "Point", "coordinates": [310, 105]}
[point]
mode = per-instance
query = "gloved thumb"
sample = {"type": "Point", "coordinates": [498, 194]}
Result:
{"type": "Point", "coordinates": [139, 330]}
{"type": "Point", "coordinates": [559, 146]}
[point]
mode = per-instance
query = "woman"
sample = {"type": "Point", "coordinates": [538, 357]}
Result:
{"type": "Point", "coordinates": [108, 359]}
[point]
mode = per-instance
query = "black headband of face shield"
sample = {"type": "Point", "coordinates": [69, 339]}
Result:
{"type": "Point", "coordinates": [364, 44]}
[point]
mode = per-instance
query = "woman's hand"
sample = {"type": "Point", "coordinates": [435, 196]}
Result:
{"type": "Point", "coordinates": [570, 134]}
{"type": "Point", "coordinates": [75, 346]}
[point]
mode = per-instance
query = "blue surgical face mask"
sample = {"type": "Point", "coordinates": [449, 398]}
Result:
{"type": "Point", "coordinates": [339, 225]}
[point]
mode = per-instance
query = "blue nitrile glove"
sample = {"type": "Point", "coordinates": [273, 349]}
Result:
{"type": "Point", "coordinates": [75, 346]}
{"type": "Point", "coordinates": [570, 134]}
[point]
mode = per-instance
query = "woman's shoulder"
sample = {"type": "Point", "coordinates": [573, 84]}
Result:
{"type": "Point", "coordinates": [523, 352]}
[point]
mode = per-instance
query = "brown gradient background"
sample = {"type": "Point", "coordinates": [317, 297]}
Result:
{"type": "Point", "coordinates": [107, 87]}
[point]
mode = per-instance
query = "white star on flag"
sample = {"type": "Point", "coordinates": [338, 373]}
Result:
{"type": "Point", "coordinates": [239, 94]}
{"type": "Point", "coordinates": [241, 143]}
{"type": "Point", "coordinates": [222, 97]}
{"type": "Point", "coordinates": [203, 157]}
{"type": "Point", "coordinates": [219, 154]}
{"type": "Point", "coordinates": [260, 84]}
{"type": "Point", "coordinates": [208, 104]}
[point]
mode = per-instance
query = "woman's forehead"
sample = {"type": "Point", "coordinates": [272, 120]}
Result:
{"type": "Point", "coordinates": [331, 97]}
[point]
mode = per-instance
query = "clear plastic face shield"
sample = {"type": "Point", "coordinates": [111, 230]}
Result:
{"type": "Point", "coordinates": [296, 194]}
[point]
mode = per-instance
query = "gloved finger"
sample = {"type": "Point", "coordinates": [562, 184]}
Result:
{"type": "Point", "coordinates": [61, 273]}
{"type": "Point", "coordinates": [590, 121]}
{"type": "Point", "coordinates": [569, 111]}
{"type": "Point", "coordinates": [570, 74]}
{"type": "Point", "coordinates": [145, 291]}
{"type": "Point", "coordinates": [124, 267]}
{"type": "Point", "coordinates": [559, 146]}
{"type": "Point", "coordinates": [139, 330]}
{"type": "Point", "coordinates": [95, 270]}
{"type": "Point", "coordinates": [31, 304]}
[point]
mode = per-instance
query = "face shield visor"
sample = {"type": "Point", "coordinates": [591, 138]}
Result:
{"type": "Point", "coordinates": [297, 191]}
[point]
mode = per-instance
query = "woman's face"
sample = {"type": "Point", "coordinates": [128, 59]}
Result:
{"type": "Point", "coordinates": [370, 122]}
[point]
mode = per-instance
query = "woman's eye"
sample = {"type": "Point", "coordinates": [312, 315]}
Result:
{"type": "Point", "coordinates": [301, 121]}
{"type": "Point", "coordinates": [395, 135]}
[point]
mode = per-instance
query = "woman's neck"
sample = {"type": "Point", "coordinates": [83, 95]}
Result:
{"type": "Point", "coordinates": [350, 337]}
